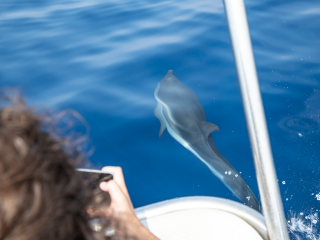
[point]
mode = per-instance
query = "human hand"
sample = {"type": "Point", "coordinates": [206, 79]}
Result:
{"type": "Point", "coordinates": [121, 212]}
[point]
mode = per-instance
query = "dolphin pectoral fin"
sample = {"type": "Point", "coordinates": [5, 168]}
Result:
{"type": "Point", "coordinates": [158, 115]}
{"type": "Point", "coordinates": [208, 127]}
{"type": "Point", "coordinates": [162, 128]}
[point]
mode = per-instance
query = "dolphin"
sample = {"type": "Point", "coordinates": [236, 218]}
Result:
{"type": "Point", "coordinates": [179, 110]}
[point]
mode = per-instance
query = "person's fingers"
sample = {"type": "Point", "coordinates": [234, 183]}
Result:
{"type": "Point", "coordinates": [118, 178]}
{"type": "Point", "coordinates": [116, 195]}
{"type": "Point", "coordinates": [119, 202]}
{"type": "Point", "coordinates": [114, 190]}
{"type": "Point", "coordinates": [117, 175]}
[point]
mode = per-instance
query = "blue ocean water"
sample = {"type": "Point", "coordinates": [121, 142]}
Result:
{"type": "Point", "coordinates": [105, 58]}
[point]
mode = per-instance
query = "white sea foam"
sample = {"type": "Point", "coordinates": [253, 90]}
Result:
{"type": "Point", "coordinates": [304, 227]}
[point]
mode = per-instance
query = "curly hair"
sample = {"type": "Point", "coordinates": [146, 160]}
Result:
{"type": "Point", "coordinates": [41, 194]}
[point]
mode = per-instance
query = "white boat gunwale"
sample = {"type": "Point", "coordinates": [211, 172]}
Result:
{"type": "Point", "coordinates": [249, 215]}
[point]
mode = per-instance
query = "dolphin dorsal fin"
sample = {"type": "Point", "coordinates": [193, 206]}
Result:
{"type": "Point", "coordinates": [158, 115]}
{"type": "Point", "coordinates": [208, 127]}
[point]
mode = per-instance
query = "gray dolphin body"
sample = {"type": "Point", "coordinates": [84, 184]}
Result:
{"type": "Point", "coordinates": [180, 111]}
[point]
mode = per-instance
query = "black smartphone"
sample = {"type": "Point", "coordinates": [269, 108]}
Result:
{"type": "Point", "coordinates": [93, 178]}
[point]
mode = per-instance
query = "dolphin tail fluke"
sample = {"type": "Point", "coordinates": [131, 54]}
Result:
{"type": "Point", "coordinates": [230, 177]}
{"type": "Point", "coordinates": [158, 115]}
{"type": "Point", "coordinates": [238, 186]}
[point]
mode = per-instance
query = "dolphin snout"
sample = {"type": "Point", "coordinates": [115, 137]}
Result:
{"type": "Point", "coordinates": [170, 72]}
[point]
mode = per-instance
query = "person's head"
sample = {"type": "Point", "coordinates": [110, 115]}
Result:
{"type": "Point", "coordinates": [41, 194]}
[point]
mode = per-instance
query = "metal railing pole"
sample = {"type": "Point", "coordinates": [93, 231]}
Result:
{"type": "Point", "coordinates": [255, 119]}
